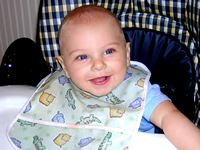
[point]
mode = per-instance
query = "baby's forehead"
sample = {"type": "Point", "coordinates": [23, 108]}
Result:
{"type": "Point", "coordinates": [87, 16]}
{"type": "Point", "coordinates": [87, 22]}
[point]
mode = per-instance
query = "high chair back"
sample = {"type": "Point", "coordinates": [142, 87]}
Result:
{"type": "Point", "coordinates": [172, 23]}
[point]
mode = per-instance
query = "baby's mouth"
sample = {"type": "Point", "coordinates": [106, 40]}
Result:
{"type": "Point", "coordinates": [100, 80]}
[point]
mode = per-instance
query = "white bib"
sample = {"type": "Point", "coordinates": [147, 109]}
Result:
{"type": "Point", "coordinates": [60, 115]}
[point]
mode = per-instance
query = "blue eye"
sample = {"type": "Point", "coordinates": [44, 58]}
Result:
{"type": "Point", "coordinates": [109, 51]}
{"type": "Point", "coordinates": [82, 57]}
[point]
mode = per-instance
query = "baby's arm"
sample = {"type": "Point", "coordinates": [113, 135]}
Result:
{"type": "Point", "coordinates": [177, 128]}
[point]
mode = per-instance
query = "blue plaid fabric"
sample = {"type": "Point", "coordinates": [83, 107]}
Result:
{"type": "Point", "coordinates": [175, 17]}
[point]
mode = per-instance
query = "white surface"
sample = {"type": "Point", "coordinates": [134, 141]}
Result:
{"type": "Point", "coordinates": [12, 98]}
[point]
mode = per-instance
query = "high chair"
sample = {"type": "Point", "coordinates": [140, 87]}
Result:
{"type": "Point", "coordinates": [164, 35]}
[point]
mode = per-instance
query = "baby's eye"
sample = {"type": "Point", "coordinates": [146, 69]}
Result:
{"type": "Point", "coordinates": [82, 57]}
{"type": "Point", "coordinates": [109, 51]}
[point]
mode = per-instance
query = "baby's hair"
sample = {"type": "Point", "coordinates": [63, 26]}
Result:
{"type": "Point", "coordinates": [88, 14]}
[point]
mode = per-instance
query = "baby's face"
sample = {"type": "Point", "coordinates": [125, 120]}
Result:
{"type": "Point", "coordinates": [95, 57]}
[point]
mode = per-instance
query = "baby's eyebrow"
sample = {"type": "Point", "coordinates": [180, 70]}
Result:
{"type": "Point", "coordinates": [76, 50]}
{"type": "Point", "coordinates": [112, 43]}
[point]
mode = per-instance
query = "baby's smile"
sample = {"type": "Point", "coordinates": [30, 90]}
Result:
{"type": "Point", "coordinates": [100, 80]}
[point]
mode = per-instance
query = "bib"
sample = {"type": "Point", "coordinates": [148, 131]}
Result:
{"type": "Point", "coordinates": [61, 116]}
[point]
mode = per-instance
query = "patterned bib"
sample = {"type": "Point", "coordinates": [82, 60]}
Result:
{"type": "Point", "coordinates": [61, 116]}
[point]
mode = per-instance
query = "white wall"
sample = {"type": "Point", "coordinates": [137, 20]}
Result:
{"type": "Point", "coordinates": [18, 18]}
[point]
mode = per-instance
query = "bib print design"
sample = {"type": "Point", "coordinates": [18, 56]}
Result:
{"type": "Point", "coordinates": [46, 98]}
{"type": "Point", "coordinates": [61, 116]}
{"type": "Point", "coordinates": [70, 99]}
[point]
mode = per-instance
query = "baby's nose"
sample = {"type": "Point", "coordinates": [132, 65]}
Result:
{"type": "Point", "coordinates": [98, 64]}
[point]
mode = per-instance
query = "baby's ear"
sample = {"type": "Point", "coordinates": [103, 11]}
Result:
{"type": "Point", "coordinates": [61, 61]}
{"type": "Point", "coordinates": [128, 53]}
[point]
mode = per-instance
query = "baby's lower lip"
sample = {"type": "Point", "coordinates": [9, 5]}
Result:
{"type": "Point", "coordinates": [100, 80]}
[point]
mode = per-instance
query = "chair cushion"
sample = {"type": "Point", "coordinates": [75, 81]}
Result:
{"type": "Point", "coordinates": [169, 61]}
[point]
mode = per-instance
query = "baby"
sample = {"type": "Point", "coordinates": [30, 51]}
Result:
{"type": "Point", "coordinates": [100, 100]}
{"type": "Point", "coordinates": [95, 57]}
